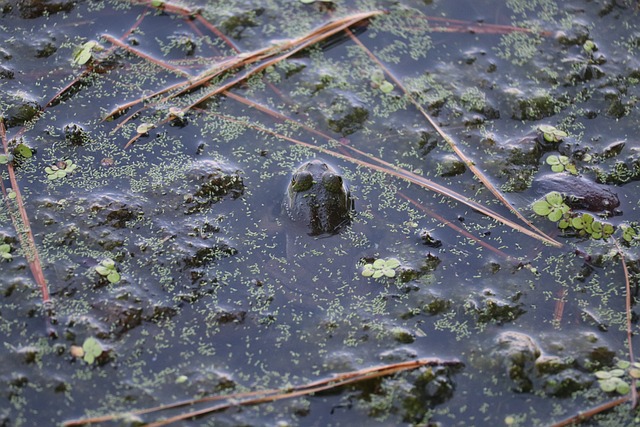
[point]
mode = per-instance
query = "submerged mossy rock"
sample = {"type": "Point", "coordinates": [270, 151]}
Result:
{"type": "Point", "coordinates": [19, 108]}
{"type": "Point", "coordinates": [564, 383]}
{"type": "Point", "coordinates": [347, 115]}
{"type": "Point", "coordinates": [517, 353]}
{"type": "Point", "coordinates": [208, 181]}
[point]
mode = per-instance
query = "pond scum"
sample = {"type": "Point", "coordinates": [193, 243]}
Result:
{"type": "Point", "coordinates": [143, 171]}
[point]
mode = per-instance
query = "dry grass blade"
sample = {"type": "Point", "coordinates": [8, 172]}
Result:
{"type": "Point", "coordinates": [245, 59]}
{"type": "Point", "coordinates": [253, 398]}
{"type": "Point", "coordinates": [22, 225]}
{"type": "Point", "coordinates": [625, 269]}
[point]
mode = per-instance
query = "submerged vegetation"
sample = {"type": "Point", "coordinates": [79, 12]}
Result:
{"type": "Point", "coordinates": [151, 273]}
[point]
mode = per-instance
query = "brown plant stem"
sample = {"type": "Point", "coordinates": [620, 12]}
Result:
{"type": "Point", "coordinates": [22, 225]}
{"type": "Point", "coordinates": [256, 397]}
{"type": "Point", "coordinates": [586, 415]}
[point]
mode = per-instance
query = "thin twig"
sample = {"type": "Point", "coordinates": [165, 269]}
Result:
{"type": "Point", "coordinates": [256, 397]}
{"type": "Point", "coordinates": [585, 415]}
{"type": "Point", "coordinates": [22, 226]}
{"type": "Point", "coordinates": [634, 391]}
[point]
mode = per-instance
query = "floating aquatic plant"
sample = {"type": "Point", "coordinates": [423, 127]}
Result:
{"type": "Point", "coordinates": [378, 81]}
{"type": "Point", "coordinates": [381, 267]}
{"type": "Point", "coordinates": [107, 268]}
{"type": "Point", "coordinates": [612, 380]}
{"type": "Point", "coordinates": [92, 349]}
{"type": "Point", "coordinates": [23, 150]}
{"type": "Point", "coordinates": [561, 163]}
{"type": "Point", "coordinates": [551, 133]}
{"type": "Point", "coordinates": [5, 250]}
{"type": "Point", "coordinates": [5, 158]}
{"type": "Point", "coordinates": [60, 170]}
{"type": "Point", "coordinates": [84, 53]}
{"type": "Point", "coordinates": [552, 206]}
{"type": "Point", "coordinates": [629, 233]}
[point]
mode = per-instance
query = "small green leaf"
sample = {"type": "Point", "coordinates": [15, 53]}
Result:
{"type": "Point", "coordinates": [616, 372]}
{"type": "Point", "coordinates": [368, 270]}
{"type": "Point", "coordinates": [541, 207]}
{"type": "Point", "coordinates": [377, 76]}
{"type": "Point", "coordinates": [83, 57]}
{"type": "Point", "coordinates": [92, 349]}
{"type": "Point", "coordinates": [607, 385]}
{"type": "Point", "coordinates": [5, 248]}
{"type": "Point", "coordinates": [386, 87]}
{"type": "Point", "coordinates": [607, 229]}
{"type": "Point", "coordinates": [623, 388]}
{"type": "Point", "coordinates": [379, 263]}
{"type": "Point", "coordinates": [603, 375]}
{"type": "Point", "coordinates": [103, 271]}
{"type": "Point", "coordinates": [555, 215]}
{"type": "Point", "coordinates": [23, 150]}
{"type": "Point", "coordinates": [392, 263]}
{"type": "Point", "coordinates": [113, 277]}
{"type": "Point", "coordinates": [377, 274]}
{"type": "Point", "coordinates": [577, 223]}
{"type": "Point", "coordinates": [634, 372]}
{"type": "Point", "coordinates": [109, 263]}
{"type": "Point", "coordinates": [554, 198]}
{"type": "Point", "coordinates": [389, 272]}
{"type": "Point", "coordinates": [553, 160]}
{"type": "Point", "coordinates": [557, 168]}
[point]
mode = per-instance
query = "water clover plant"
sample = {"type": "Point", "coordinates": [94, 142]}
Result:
{"type": "Point", "coordinates": [84, 53]}
{"type": "Point", "coordinates": [586, 223]}
{"type": "Point", "coordinates": [92, 349]}
{"type": "Point", "coordinates": [5, 250]}
{"type": "Point", "coordinates": [552, 206]}
{"type": "Point", "coordinates": [612, 380]}
{"type": "Point", "coordinates": [561, 163]}
{"type": "Point", "coordinates": [378, 81]}
{"type": "Point", "coordinates": [381, 267]}
{"type": "Point", "coordinates": [107, 268]}
{"type": "Point", "coordinates": [60, 169]}
{"type": "Point", "coordinates": [551, 133]}
{"type": "Point", "coordinates": [629, 233]}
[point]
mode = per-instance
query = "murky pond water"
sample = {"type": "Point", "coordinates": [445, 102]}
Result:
{"type": "Point", "coordinates": [148, 258]}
